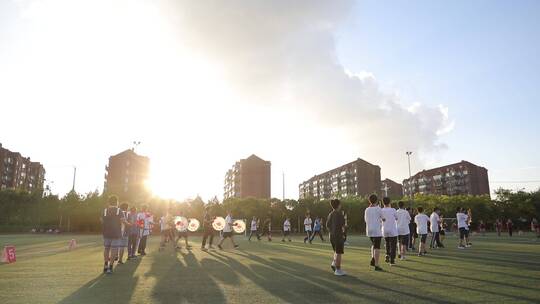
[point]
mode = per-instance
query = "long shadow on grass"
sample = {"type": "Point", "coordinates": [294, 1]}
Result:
{"type": "Point", "coordinates": [293, 288]}
{"type": "Point", "coordinates": [464, 278]}
{"type": "Point", "coordinates": [463, 286]}
{"type": "Point", "coordinates": [115, 288]}
{"type": "Point", "coordinates": [179, 278]}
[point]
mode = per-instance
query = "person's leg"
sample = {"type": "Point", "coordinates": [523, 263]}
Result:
{"type": "Point", "coordinates": [106, 255]}
{"type": "Point", "coordinates": [211, 240]}
{"type": "Point", "coordinates": [338, 260]}
{"type": "Point", "coordinates": [438, 240]}
{"type": "Point", "coordinates": [387, 249]}
{"type": "Point", "coordinates": [250, 235]}
{"type": "Point", "coordinates": [393, 249]}
{"type": "Point", "coordinates": [205, 237]}
{"type": "Point", "coordinates": [307, 236]}
{"type": "Point", "coordinates": [143, 245]}
{"type": "Point", "coordinates": [432, 243]}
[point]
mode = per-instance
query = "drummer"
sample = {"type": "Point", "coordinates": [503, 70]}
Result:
{"type": "Point", "coordinates": [182, 230]}
{"type": "Point", "coordinates": [227, 231]}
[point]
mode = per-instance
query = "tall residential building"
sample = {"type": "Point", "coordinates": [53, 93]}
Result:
{"type": "Point", "coordinates": [391, 189]}
{"type": "Point", "coordinates": [126, 177]}
{"type": "Point", "coordinates": [18, 172]}
{"type": "Point", "coordinates": [455, 179]}
{"type": "Point", "coordinates": [357, 178]}
{"type": "Point", "coordinates": [248, 177]}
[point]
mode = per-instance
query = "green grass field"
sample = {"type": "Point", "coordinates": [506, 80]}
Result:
{"type": "Point", "coordinates": [494, 270]}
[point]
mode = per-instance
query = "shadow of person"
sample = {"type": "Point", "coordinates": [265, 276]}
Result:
{"type": "Point", "coordinates": [301, 287]}
{"type": "Point", "coordinates": [179, 278]}
{"type": "Point", "coordinates": [115, 288]}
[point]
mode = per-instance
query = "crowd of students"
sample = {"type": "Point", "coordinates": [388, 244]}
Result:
{"type": "Point", "coordinates": [398, 228]}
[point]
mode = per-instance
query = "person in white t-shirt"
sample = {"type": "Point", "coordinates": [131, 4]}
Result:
{"type": "Point", "coordinates": [287, 229]}
{"type": "Point", "coordinates": [307, 227]}
{"type": "Point", "coordinates": [462, 219]}
{"type": "Point", "coordinates": [421, 221]}
{"type": "Point", "coordinates": [374, 218]}
{"type": "Point", "coordinates": [165, 224]}
{"type": "Point", "coordinates": [403, 221]}
{"type": "Point", "coordinates": [254, 229]}
{"type": "Point", "coordinates": [228, 231]}
{"type": "Point", "coordinates": [389, 231]}
{"type": "Point", "coordinates": [435, 224]}
{"type": "Point", "coordinates": [182, 232]}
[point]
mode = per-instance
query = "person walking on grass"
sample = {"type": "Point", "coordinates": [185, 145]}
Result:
{"type": "Point", "coordinates": [316, 230]}
{"type": "Point", "coordinates": [335, 224]}
{"type": "Point", "coordinates": [227, 231]}
{"type": "Point", "coordinates": [307, 227]}
{"type": "Point", "coordinates": [167, 234]}
{"type": "Point", "coordinates": [435, 223]}
{"type": "Point", "coordinates": [254, 229]}
{"type": "Point", "coordinates": [535, 228]}
{"type": "Point", "coordinates": [208, 233]}
{"type": "Point", "coordinates": [462, 220]}
{"type": "Point", "coordinates": [287, 229]}
{"type": "Point", "coordinates": [133, 233]}
{"type": "Point", "coordinates": [510, 227]}
{"type": "Point", "coordinates": [389, 231]}
{"type": "Point", "coordinates": [403, 220]}
{"type": "Point", "coordinates": [182, 233]}
{"type": "Point", "coordinates": [498, 226]}
{"type": "Point", "coordinates": [112, 233]}
{"type": "Point", "coordinates": [374, 218]}
{"type": "Point", "coordinates": [421, 221]}
{"type": "Point", "coordinates": [412, 228]}
{"type": "Point", "coordinates": [267, 228]}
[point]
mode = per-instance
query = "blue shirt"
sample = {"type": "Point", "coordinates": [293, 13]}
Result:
{"type": "Point", "coordinates": [317, 225]}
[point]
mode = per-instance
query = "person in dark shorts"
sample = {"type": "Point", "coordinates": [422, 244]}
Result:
{"type": "Point", "coordinates": [125, 233]}
{"type": "Point", "coordinates": [208, 230]}
{"type": "Point", "coordinates": [335, 224]}
{"type": "Point", "coordinates": [227, 231]}
{"type": "Point", "coordinates": [374, 218]}
{"type": "Point", "coordinates": [112, 233]}
{"type": "Point", "coordinates": [421, 221]}
{"type": "Point", "coordinates": [267, 228]}
{"type": "Point", "coordinates": [462, 219]}
{"type": "Point", "coordinates": [412, 228]}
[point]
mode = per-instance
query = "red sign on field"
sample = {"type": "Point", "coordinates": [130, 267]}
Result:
{"type": "Point", "coordinates": [9, 254]}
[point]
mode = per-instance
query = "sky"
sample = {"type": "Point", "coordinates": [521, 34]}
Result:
{"type": "Point", "coordinates": [307, 85]}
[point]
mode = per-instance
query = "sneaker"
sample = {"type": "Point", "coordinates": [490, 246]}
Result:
{"type": "Point", "coordinates": [460, 247]}
{"type": "Point", "coordinates": [339, 272]}
{"type": "Point", "coordinates": [399, 256]}
{"type": "Point", "coordinates": [333, 266]}
{"type": "Point", "coordinates": [372, 263]}
{"type": "Point", "coordinates": [387, 259]}
{"type": "Point", "coordinates": [467, 246]}
{"type": "Point", "coordinates": [392, 263]}
{"type": "Point", "coordinates": [220, 248]}
{"type": "Point", "coordinates": [377, 268]}
{"type": "Point", "coordinates": [420, 254]}
{"type": "Point", "coordinates": [236, 246]}
{"type": "Point", "coordinates": [204, 249]}
{"type": "Point", "coordinates": [109, 270]}
{"type": "Point", "coordinates": [402, 258]}
{"type": "Point", "coordinates": [105, 268]}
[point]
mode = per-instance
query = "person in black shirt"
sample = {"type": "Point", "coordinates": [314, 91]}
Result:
{"type": "Point", "coordinates": [112, 233]}
{"type": "Point", "coordinates": [208, 229]}
{"type": "Point", "coordinates": [335, 224]}
{"type": "Point", "coordinates": [267, 228]}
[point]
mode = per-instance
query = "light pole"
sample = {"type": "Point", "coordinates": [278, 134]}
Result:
{"type": "Point", "coordinates": [409, 182]}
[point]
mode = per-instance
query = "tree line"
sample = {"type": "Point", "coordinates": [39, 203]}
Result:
{"type": "Point", "coordinates": [22, 211]}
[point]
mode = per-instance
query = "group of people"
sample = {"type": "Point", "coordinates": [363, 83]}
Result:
{"type": "Point", "coordinates": [396, 228]}
{"type": "Point", "coordinates": [124, 229]}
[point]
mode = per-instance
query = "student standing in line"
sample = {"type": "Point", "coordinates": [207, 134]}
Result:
{"type": "Point", "coordinates": [227, 231]}
{"type": "Point", "coordinates": [133, 233]}
{"type": "Point", "coordinates": [316, 230]}
{"type": "Point", "coordinates": [165, 223]}
{"type": "Point", "coordinates": [253, 229]}
{"type": "Point", "coordinates": [421, 221]}
{"type": "Point", "coordinates": [373, 218]}
{"type": "Point", "coordinates": [208, 233]}
{"type": "Point", "coordinates": [112, 233]}
{"type": "Point", "coordinates": [287, 229]}
{"type": "Point", "coordinates": [389, 231]}
{"type": "Point", "coordinates": [125, 233]}
{"type": "Point", "coordinates": [307, 227]}
{"type": "Point", "coordinates": [498, 226]}
{"type": "Point", "coordinates": [335, 224]}
{"type": "Point", "coordinates": [435, 222]}
{"type": "Point", "coordinates": [403, 220]}
{"type": "Point", "coordinates": [144, 219]}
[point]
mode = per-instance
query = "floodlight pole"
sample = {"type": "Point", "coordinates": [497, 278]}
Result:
{"type": "Point", "coordinates": [409, 183]}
